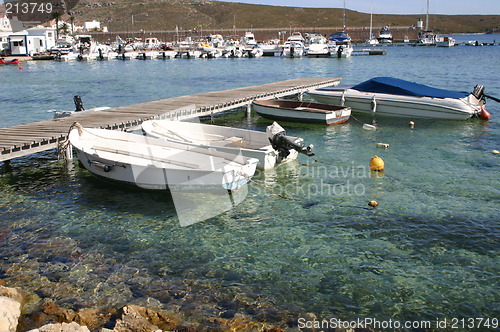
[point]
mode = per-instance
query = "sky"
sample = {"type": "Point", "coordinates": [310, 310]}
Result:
{"type": "Point", "coordinates": [417, 7]}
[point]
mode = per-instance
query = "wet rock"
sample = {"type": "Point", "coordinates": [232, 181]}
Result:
{"type": "Point", "coordinates": [63, 327]}
{"type": "Point", "coordinates": [93, 318]}
{"type": "Point", "coordinates": [61, 315]}
{"type": "Point", "coordinates": [243, 324]}
{"type": "Point", "coordinates": [10, 310]}
{"type": "Point", "coordinates": [13, 293]}
{"type": "Point", "coordinates": [135, 318]}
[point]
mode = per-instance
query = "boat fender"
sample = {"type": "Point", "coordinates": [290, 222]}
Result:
{"type": "Point", "coordinates": [105, 167]}
{"type": "Point", "coordinates": [374, 104]}
{"type": "Point", "coordinates": [342, 98]}
{"type": "Point", "coordinates": [383, 145]}
{"type": "Point", "coordinates": [376, 164]}
{"type": "Point", "coordinates": [367, 126]}
{"type": "Point", "coordinates": [484, 114]}
{"type": "Point", "coordinates": [411, 124]}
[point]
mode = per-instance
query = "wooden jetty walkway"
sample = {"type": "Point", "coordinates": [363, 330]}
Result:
{"type": "Point", "coordinates": [26, 139]}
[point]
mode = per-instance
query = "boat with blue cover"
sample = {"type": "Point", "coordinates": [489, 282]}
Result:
{"type": "Point", "coordinates": [397, 97]}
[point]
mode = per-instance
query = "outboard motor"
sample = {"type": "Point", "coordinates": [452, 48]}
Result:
{"type": "Point", "coordinates": [282, 143]}
{"type": "Point", "coordinates": [478, 91]}
{"type": "Point", "coordinates": [78, 104]}
{"type": "Point", "coordinates": [339, 51]}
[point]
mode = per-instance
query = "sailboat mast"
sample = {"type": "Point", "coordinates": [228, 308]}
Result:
{"type": "Point", "coordinates": [371, 19]}
{"type": "Point", "coordinates": [344, 19]}
{"type": "Point", "coordinates": [427, 18]}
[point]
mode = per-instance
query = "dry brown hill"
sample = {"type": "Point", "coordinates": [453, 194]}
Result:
{"type": "Point", "coordinates": [160, 15]}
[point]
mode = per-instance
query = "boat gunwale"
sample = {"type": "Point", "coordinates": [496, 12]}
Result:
{"type": "Point", "coordinates": [276, 104]}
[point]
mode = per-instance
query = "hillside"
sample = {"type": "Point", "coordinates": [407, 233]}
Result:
{"type": "Point", "coordinates": [161, 15]}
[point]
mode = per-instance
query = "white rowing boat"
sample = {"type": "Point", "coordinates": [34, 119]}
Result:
{"type": "Point", "coordinates": [153, 163]}
{"type": "Point", "coordinates": [249, 143]}
{"type": "Point", "coordinates": [301, 111]}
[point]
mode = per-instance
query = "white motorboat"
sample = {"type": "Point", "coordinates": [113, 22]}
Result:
{"type": "Point", "coordinates": [343, 44]}
{"type": "Point", "coordinates": [79, 109]}
{"type": "Point", "coordinates": [153, 163]}
{"type": "Point", "coordinates": [249, 39]}
{"type": "Point", "coordinates": [249, 143]}
{"type": "Point", "coordinates": [396, 97]}
{"type": "Point", "coordinates": [318, 47]}
{"type": "Point", "coordinates": [445, 41]}
{"type": "Point", "coordinates": [253, 52]}
{"type": "Point", "coordinates": [293, 49]}
{"type": "Point", "coordinates": [385, 36]}
{"type": "Point", "coordinates": [342, 41]}
{"type": "Point", "coordinates": [301, 111]}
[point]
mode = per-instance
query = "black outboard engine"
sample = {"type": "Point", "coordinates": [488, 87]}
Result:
{"type": "Point", "coordinates": [78, 104]}
{"type": "Point", "coordinates": [478, 91]}
{"type": "Point", "coordinates": [283, 144]}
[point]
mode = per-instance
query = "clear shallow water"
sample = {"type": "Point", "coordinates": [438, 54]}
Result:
{"type": "Point", "coordinates": [430, 250]}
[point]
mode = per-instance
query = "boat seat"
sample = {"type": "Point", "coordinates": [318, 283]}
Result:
{"type": "Point", "coordinates": [234, 139]}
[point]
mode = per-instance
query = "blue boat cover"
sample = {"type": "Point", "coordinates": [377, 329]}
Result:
{"type": "Point", "coordinates": [395, 86]}
{"type": "Point", "coordinates": [340, 37]}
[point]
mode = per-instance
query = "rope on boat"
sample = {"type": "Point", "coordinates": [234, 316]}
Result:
{"type": "Point", "coordinates": [63, 146]}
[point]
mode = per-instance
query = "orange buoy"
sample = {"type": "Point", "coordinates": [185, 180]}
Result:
{"type": "Point", "coordinates": [376, 164]}
{"type": "Point", "coordinates": [20, 67]}
{"type": "Point", "coordinates": [484, 114]}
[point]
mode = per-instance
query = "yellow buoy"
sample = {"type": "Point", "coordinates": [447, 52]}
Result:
{"type": "Point", "coordinates": [373, 203]}
{"type": "Point", "coordinates": [376, 164]}
{"type": "Point", "coordinates": [495, 151]}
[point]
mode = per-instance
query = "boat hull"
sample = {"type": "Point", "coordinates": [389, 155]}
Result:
{"type": "Point", "coordinates": [395, 105]}
{"type": "Point", "coordinates": [296, 111]}
{"type": "Point", "coordinates": [155, 164]}
{"type": "Point", "coordinates": [237, 141]}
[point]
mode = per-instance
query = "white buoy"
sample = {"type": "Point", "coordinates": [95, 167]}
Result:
{"type": "Point", "coordinates": [367, 126]}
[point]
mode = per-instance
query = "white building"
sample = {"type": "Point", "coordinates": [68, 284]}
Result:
{"type": "Point", "coordinates": [31, 41]}
{"type": "Point", "coordinates": [92, 25]}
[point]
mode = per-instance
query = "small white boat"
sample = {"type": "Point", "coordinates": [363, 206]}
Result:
{"type": "Point", "coordinates": [249, 143]}
{"type": "Point", "coordinates": [78, 109]}
{"type": "Point", "coordinates": [396, 97]}
{"type": "Point", "coordinates": [301, 111]}
{"type": "Point", "coordinates": [385, 36]}
{"type": "Point", "coordinates": [152, 163]}
{"type": "Point", "coordinates": [318, 47]}
{"type": "Point", "coordinates": [293, 49]}
{"type": "Point", "coordinates": [445, 41]}
{"type": "Point", "coordinates": [343, 44]}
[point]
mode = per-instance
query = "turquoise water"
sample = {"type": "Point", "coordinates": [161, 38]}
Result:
{"type": "Point", "coordinates": [428, 251]}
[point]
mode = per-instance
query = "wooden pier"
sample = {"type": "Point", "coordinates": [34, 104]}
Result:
{"type": "Point", "coordinates": [26, 139]}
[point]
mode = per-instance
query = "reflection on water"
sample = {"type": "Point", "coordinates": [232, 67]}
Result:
{"type": "Point", "coordinates": [428, 250]}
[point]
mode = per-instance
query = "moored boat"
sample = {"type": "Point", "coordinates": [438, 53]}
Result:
{"type": "Point", "coordinates": [301, 111]}
{"type": "Point", "coordinates": [153, 163]}
{"type": "Point", "coordinates": [9, 62]}
{"type": "Point", "coordinates": [249, 143]}
{"type": "Point", "coordinates": [396, 97]}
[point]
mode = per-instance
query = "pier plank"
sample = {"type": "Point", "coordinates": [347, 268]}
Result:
{"type": "Point", "coordinates": [26, 139]}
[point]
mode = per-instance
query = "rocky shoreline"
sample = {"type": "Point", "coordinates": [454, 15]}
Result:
{"type": "Point", "coordinates": [51, 318]}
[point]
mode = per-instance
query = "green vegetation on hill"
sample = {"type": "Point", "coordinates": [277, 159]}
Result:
{"type": "Point", "coordinates": [159, 15]}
